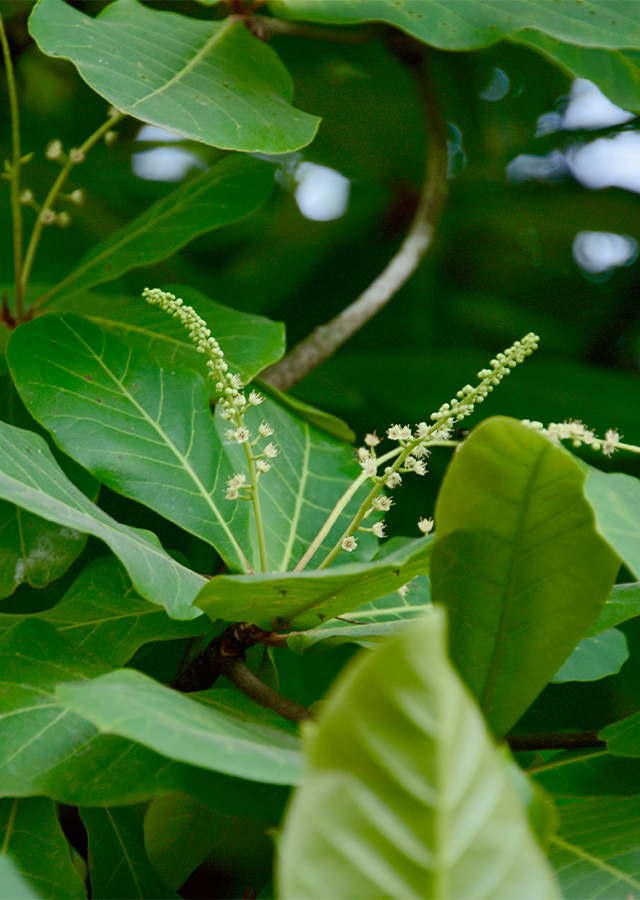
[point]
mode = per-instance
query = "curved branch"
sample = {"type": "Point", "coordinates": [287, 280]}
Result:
{"type": "Point", "coordinates": [239, 674]}
{"type": "Point", "coordinates": [325, 340]}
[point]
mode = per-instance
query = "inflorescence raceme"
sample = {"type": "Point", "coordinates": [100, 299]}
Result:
{"type": "Point", "coordinates": [580, 435]}
{"type": "Point", "coordinates": [233, 401]}
{"type": "Point", "coordinates": [414, 444]}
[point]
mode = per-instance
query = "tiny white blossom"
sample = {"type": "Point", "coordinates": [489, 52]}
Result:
{"type": "Point", "coordinates": [392, 479]}
{"type": "Point", "coordinates": [76, 155]}
{"type": "Point", "coordinates": [54, 150]}
{"type": "Point", "coordinates": [425, 525]}
{"type": "Point", "coordinates": [371, 440]}
{"type": "Point", "coordinates": [271, 451]}
{"type": "Point", "coordinates": [363, 454]}
{"type": "Point", "coordinates": [47, 217]}
{"type": "Point", "coordinates": [382, 503]}
{"type": "Point", "coordinates": [349, 544]}
{"type": "Point", "coordinates": [369, 467]}
{"type": "Point", "coordinates": [236, 481]}
{"type": "Point", "coordinates": [378, 529]}
{"type": "Point", "coordinates": [265, 430]}
{"type": "Point", "coordinates": [404, 590]}
{"type": "Point", "coordinates": [262, 465]}
{"type": "Point", "coordinates": [612, 438]}
{"type": "Point", "coordinates": [255, 399]}
{"type": "Point", "coordinates": [27, 197]}
{"type": "Point", "coordinates": [399, 433]}
{"type": "Point", "coordinates": [232, 494]}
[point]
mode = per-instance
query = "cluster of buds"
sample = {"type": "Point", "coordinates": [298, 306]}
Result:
{"type": "Point", "coordinates": [55, 152]}
{"type": "Point", "coordinates": [233, 401]}
{"type": "Point", "coordinates": [580, 435]}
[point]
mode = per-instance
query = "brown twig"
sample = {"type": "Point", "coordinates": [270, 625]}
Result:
{"type": "Point", "coordinates": [236, 670]}
{"type": "Point", "coordinates": [572, 740]}
{"type": "Point", "coordinates": [325, 340]}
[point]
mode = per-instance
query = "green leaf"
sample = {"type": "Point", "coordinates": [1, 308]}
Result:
{"type": "Point", "coordinates": [46, 749]}
{"type": "Point", "coordinates": [229, 191]}
{"type": "Point", "coordinates": [30, 833]}
{"type": "Point", "coordinates": [615, 500]}
{"type": "Point", "coordinates": [13, 885]}
{"type": "Point", "coordinates": [30, 478]}
{"type": "Point", "coordinates": [32, 550]}
{"type": "Point", "coordinates": [623, 737]}
{"type": "Point", "coordinates": [213, 82]}
{"type": "Point", "coordinates": [374, 621]}
{"type": "Point", "coordinates": [102, 613]}
{"type": "Point", "coordinates": [179, 834]}
{"type": "Point", "coordinates": [594, 658]}
{"type": "Point", "coordinates": [308, 477]}
{"type": "Point", "coordinates": [250, 343]}
{"type": "Point", "coordinates": [311, 596]}
{"type": "Point", "coordinates": [118, 865]}
{"type": "Point", "coordinates": [588, 773]}
{"type": "Point", "coordinates": [623, 604]}
{"type": "Point", "coordinates": [617, 73]}
{"type": "Point", "coordinates": [226, 733]}
{"type": "Point", "coordinates": [405, 794]}
{"type": "Point", "coordinates": [596, 852]}
{"type": "Point", "coordinates": [144, 431]}
{"type": "Point", "coordinates": [517, 562]}
{"type": "Point", "coordinates": [465, 25]}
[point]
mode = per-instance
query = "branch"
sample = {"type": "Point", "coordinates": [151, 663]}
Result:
{"type": "Point", "coordinates": [572, 740]}
{"type": "Point", "coordinates": [237, 671]}
{"type": "Point", "coordinates": [325, 340]}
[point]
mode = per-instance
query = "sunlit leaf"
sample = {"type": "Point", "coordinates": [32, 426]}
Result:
{"type": "Point", "coordinates": [228, 733]}
{"type": "Point", "coordinates": [615, 500]}
{"type": "Point", "coordinates": [144, 431]}
{"type": "Point", "coordinates": [517, 562]}
{"type": "Point", "coordinates": [309, 597]}
{"type": "Point", "coordinates": [405, 794]}
{"type": "Point", "coordinates": [118, 865]}
{"type": "Point", "coordinates": [30, 833]}
{"type": "Point", "coordinates": [30, 478]}
{"type": "Point", "coordinates": [210, 81]}
{"type": "Point", "coordinates": [230, 190]}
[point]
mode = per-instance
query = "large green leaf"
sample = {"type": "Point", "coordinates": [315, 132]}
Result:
{"type": "Point", "coordinates": [597, 852]}
{"type": "Point", "coordinates": [616, 73]}
{"type": "Point", "coordinates": [623, 737]}
{"type": "Point", "coordinates": [623, 604]}
{"type": "Point", "coordinates": [311, 596]}
{"type": "Point", "coordinates": [230, 190]}
{"type": "Point", "coordinates": [308, 477]}
{"type": "Point", "coordinates": [102, 613]}
{"type": "Point", "coordinates": [588, 773]}
{"type": "Point", "coordinates": [144, 431]}
{"type": "Point", "coordinates": [210, 81]}
{"type": "Point", "coordinates": [47, 749]}
{"type": "Point", "coordinates": [615, 500]}
{"type": "Point", "coordinates": [405, 795]}
{"type": "Point", "coordinates": [517, 562]}
{"type": "Point", "coordinates": [595, 657]}
{"type": "Point", "coordinates": [118, 865]}
{"type": "Point", "coordinates": [30, 478]}
{"type": "Point", "coordinates": [225, 732]}
{"type": "Point", "coordinates": [30, 833]}
{"type": "Point", "coordinates": [375, 621]}
{"type": "Point", "coordinates": [32, 550]}
{"type": "Point", "coordinates": [250, 343]}
{"type": "Point", "coordinates": [469, 24]}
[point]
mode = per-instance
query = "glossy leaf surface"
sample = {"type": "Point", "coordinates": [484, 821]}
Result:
{"type": "Point", "coordinates": [230, 190]}
{"type": "Point", "coordinates": [615, 500]}
{"type": "Point", "coordinates": [31, 835]}
{"type": "Point", "coordinates": [405, 793]}
{"type": "Point", "coordinates": [596, 853]}
{"type": "Point", "coordinates": [118, 865]}
{"type": "Point", "coordinates": [595, 657]}
{"type": "Point", "coordinates": [250, 343]}
{"type": "Point", "coordinates": [470, 24]}
{"type": "Point", "coordinates": [103, 614]}
{"type": "Point", "coordinates": [374, 621]}
{"type": "Point", "coordinates": [30, 478]}
{"type": "Point", "coordinates": [47, 749]}
{"type": "Point", "coordinates": [146, 432]}
{"type": "Point", "coordinates": [210, 81]}
{"type": "Point", "coordinates": [517, 562]}
{"type": "Point", "coordinates": [309, 597]}
{"type": "Point", "coordinates": [226, 733]}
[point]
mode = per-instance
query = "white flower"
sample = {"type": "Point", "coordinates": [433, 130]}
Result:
{"type": "Point", "coordinates": [54, 150]}
{"type": "Point", "coordinates": [425, 525]}
{"type": "Point", "coordinates": [255, 399]}
{"type": "Point", "coordinates": [371, 440]}
{"type": "Point", "coordinates": [236, 481]}
{"type": "Point", "coordinates": [265, 430]}
{"type": "Point", "coordinates": [399, 433]}
{"type": "Point", "coordinates": [404, 590]}
{"type": "Point", "coordinates": [349, 544]}
{"type": "Point", "coordinates": [378, 529]}
{"type": "Point", "coordinates": [392, 479]}
{"type": "Point", "coordinates": [271, 451]}
{"type": "Point", "coordinates": [382, 503]}
{"type": "Point", "coordinates": [369, 467]}
{"type": "Point", "coordinates": [363, 454]}
{"type": "Point", "coordinates": [232, 494]}
{"type": "Point", "coordinates": [262, 465]}
{"type": "Point", "coordinates": [609, 444]}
